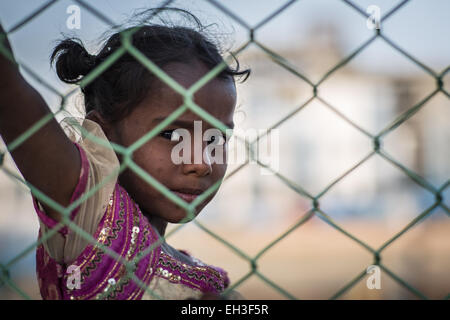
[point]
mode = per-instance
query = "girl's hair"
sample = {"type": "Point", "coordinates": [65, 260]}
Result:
{"type": "Point", "coordinates": [126, 82]}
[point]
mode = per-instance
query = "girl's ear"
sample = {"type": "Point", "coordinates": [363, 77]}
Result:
{"type": "Point", "coordinates": [95, 116]}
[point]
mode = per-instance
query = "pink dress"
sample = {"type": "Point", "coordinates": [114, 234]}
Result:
{"type": "Point", "coordinates": [161, 271]}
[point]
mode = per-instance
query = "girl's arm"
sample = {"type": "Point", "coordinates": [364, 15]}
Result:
{"type": "Point", "coordinates": [48, 159]}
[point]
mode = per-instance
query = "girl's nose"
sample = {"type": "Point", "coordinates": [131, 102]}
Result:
{"type": "Point", "coordinates": [200, 169]}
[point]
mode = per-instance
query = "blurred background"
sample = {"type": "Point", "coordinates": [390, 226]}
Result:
{"type": "Point", "coordinates": [318, 144]}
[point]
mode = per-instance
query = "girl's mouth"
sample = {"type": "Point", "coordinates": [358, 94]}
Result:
{"type": "Point", "coordinates": [188, 195]}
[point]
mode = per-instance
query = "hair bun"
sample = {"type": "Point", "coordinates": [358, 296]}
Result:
{"type": "Point", "coordinates": [72, 61]}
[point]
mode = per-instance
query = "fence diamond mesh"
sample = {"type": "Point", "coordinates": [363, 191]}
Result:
{"type": "Point", "coordinates": [127, 47]}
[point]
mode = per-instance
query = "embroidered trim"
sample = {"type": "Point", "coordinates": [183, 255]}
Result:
{"type": "Point", "coordinates": [124, 219]}
{"type": "Point", "coordinates": [200, 277]}
{"type": "Point", "coordinates": [96, 254]}
{"type": "Point", "coordinates": [113, 290]}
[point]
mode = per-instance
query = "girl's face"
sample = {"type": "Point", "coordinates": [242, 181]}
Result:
{"type": "Point", "coordinates": [218, 98]}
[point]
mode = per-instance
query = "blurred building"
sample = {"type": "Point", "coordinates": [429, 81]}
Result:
{"type": "Point", "coordinates": [318, 146]}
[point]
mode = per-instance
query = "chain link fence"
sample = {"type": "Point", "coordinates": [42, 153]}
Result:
{"type": "Point", "coordinates": [128, 48]}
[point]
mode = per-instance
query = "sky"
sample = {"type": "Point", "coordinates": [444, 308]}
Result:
{"type": "Point", "coordinates": [421, 27]}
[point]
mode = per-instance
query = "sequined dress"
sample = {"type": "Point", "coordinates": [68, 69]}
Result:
{"type": "Point", "coordinates": [70, 267]}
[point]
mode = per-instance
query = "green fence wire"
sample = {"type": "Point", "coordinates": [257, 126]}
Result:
{"type": "Point", "coordinates": [189, 104]}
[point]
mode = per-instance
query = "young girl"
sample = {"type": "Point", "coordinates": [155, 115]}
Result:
{"type": "Point", "coordinates": [126, 215]}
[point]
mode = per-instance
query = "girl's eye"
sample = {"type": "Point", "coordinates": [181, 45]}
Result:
{"type": "Point", "coordinates": [221, 141]}
{"type": "Point", "coordinates": [171, 135]}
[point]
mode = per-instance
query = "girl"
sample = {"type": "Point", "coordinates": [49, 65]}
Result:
{"type": "Point", "coordinates": [126, 215]}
